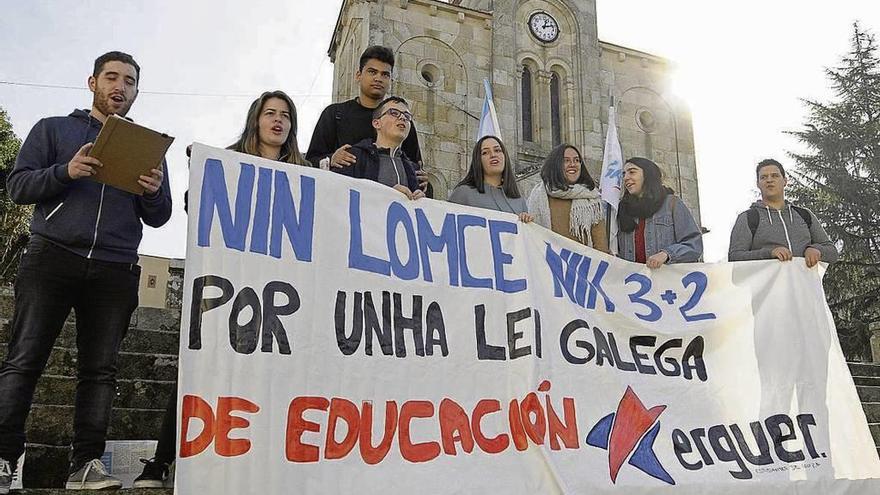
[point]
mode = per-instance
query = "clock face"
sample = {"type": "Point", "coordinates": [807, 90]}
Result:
{"type": "Point", "coordinates": [544, 27]}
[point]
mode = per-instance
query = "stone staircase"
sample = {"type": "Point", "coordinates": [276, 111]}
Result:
{"type": "Point", "coordinates": [147, 370]}
{"type": "Point", "coordinates": [867, 380]}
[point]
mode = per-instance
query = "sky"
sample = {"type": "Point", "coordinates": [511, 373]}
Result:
{"type": "Point", "coordinates": [741, 67]}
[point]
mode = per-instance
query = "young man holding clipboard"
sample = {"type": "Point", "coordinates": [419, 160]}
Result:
{"type": "Point", "coordinates": [82, 255]}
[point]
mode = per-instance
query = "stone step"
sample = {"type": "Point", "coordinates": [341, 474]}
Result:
{"type": "Point", "coordinates": [867, 381]}
{"type": "Point", "coordinates": [45, 471]}
{"type": "Point", "coordinates": [872, 411]}
{"type": "Point", "coordinates": [868, 394]}
{"type": "Point", "coordinates": [53, 390]}
{"type": "Point", "coordinates": [132, 366]}
{"type": "Point", "coordinates": [53, 425]}
{"type": "Point", "coordinates": [136, 339]}
{"type": "Point", "coordinates": [59, 491]}
{"type": "Point", "coordinates": [156, 319]}
{"type": "Point", "coordinates": [144, 318]}
{"type": "Point", "coordinates": [864, 369]}
{"type": "Point", "coordinates": [875, 433]}
{"type": "Point", "coordinates": [7, 301]}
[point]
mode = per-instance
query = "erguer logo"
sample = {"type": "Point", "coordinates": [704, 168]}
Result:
{"type": "Point", "coordinates": [702, 447]}
{"type": "Point", "coordinates": [631, 430]}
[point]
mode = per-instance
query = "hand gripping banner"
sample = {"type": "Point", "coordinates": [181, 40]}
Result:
{"type": "Point", "coordinates": [339, 338]}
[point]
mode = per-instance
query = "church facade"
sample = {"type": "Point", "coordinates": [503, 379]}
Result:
{"type": "Point", "coordinates": [553, 81]}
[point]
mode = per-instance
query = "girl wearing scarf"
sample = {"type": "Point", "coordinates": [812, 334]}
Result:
{"type": "Point", "coordinates": [567, 200]}
{"type": "Point", "coordinates": [655, 226]}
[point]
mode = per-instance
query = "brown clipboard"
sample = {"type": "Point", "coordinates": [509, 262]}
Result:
{"type": "Point", "coordinates": [127, 151]}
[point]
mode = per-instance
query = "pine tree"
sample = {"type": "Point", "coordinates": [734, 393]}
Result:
{"type": "Point", "coordinates": [838, 178]}
{"type": "Point", "coordinates": [13, 218]}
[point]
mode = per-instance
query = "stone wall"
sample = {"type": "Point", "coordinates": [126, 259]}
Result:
{"type": "Point", "coordinates": [445, 50]}
{"type": "Point", "coordinates": [652, 122]}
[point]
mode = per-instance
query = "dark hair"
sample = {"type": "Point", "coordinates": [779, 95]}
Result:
{"type": "Point", "coordinates": [653, 195]}
{"type": "Point", "coordinates": [250, 136]}
{"type": "Point", "coordinates": [116, 57]}
{"type": "Point", "coordinates": [475, 179]}
{"type": "Point", "coordinates": [766, 163]}
{"type": "Point", "coordinates": [377, 52]}
{"type": "Point", "coordinates": [391, 99]}
{"type": "Point", "coordinates": [552, 172]}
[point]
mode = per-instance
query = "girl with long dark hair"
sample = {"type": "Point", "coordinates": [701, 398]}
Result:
{"type": "Point", "coordinates": [490, 182]}
{"type": "Point", "coordinates": [655, 226]}
{"type": "Point", "coordinates": [567, 200]}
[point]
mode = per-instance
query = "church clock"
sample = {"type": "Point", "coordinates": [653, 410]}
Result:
{"type": "Point", "coordinates": [543, 27]}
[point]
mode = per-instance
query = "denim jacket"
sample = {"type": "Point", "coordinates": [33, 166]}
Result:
{"type": "Point", "coordinates": [672, 229]}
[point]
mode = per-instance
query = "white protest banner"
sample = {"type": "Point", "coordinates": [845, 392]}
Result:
{"type": "Point", "coordinates": [338, 338]}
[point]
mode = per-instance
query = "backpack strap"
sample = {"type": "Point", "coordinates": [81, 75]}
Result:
{"type": "Point", "coordinates": [339, 116]}
{"type": "Point", "coordinates": [752, 217]}
{"type": "Point", "coordinates": [805, 215]}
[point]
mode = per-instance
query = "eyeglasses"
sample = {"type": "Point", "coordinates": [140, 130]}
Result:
{"type": "Point", "coordinates": [398, 114]}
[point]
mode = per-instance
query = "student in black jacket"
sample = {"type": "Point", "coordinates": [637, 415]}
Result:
{"type": "Point", "coordinates": [344, 124]}
{"type": "Point", "coordinates": [381, 158]}
{"type": "Point", "coordinates": [83, 255]}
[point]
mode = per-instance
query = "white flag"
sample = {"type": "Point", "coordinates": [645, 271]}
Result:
{"type": "Point", "coordinates": [488, 118]}
{"type": "Point", "coordinates": [612, 178]}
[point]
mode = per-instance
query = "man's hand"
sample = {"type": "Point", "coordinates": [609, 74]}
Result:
{"type": "Point", "coordinates": [418, 194]}
{"type": "Point", "coordinates": [151, 182]}
{"type": "Point", "coordinates": [341, 157]}
{"type": "Point", "coordinates": [657, 260]}
{"type": "Point", "coordinates": [83, 165]}
{"type": "Point", "coordinates": [813, 256]}
{"type": "Point", "coordinates": [781, 253]}
{"type": "Point", "coordinates": [526, 217]}
{"type": "Point", "coordinates": [404, 190]}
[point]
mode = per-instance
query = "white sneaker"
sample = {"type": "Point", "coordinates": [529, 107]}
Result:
{"type": "Point", "coordinates": [92, 476]}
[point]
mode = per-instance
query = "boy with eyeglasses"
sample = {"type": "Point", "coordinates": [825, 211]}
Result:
{"type": "Point", "coordinates": [381, 158]}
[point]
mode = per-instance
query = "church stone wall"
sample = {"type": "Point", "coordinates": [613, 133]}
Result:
{"type": "Point", "coordinates": [442, 54]}
{"type": "Point", "coordinates": [651, 121]}
{"type": "Point", "coordinates": [444, 50]}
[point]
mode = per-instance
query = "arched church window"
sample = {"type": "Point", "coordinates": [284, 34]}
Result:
{"type": "Point", "coordinates": [527, 104]}
{"type": "Point", "coordinates": [555, 109]}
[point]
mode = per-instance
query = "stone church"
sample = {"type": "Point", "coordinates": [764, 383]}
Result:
{"type": "Point", "coordinates": [553, 81]}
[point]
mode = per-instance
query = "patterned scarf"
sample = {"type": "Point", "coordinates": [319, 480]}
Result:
{"type": "Point", "coordinates": [586, 208]}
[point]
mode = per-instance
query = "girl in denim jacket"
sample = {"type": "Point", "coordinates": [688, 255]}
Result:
{"type": "Point", "coordinates": [655, 226]}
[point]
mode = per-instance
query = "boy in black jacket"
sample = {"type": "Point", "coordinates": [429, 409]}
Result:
{"type": "Point", "coordinates": [82, 255]}
{"type": "Point", "coordinates": [342, 125]}
{"type": "Point", "coordinates": [381, 159]}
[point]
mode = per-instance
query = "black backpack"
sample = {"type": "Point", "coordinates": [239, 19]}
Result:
{"type": "Point", "coordinates": [752, 217]}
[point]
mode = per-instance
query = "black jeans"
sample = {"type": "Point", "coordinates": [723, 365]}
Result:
{"type": "Point", "coordinates": [51, 281]}
{"type": "Point", "coordinates": [166, 450]}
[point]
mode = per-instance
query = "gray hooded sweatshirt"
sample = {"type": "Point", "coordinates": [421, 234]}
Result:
{"type": "Point", "coordinates": [783, 227]}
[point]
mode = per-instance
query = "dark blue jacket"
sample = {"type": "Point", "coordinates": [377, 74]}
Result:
{"type": "Point", "coordinates": [366, 165]}
{"type": "Point", "coordinates": [83, 216]}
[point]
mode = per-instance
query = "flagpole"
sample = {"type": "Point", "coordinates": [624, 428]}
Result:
{"type": "Point", "coordinates": [607, 206]}
{"type": "Point", "coordinates": [609, 184]}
